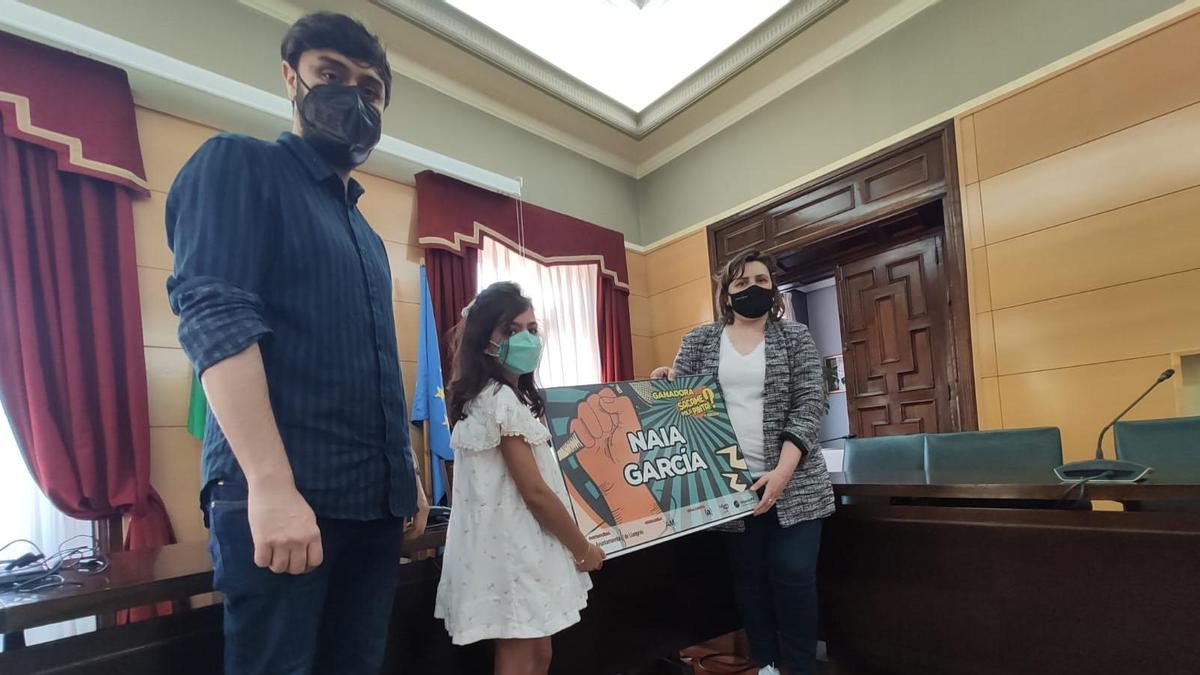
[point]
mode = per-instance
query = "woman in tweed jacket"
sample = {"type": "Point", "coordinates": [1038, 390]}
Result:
{"type": "Point", "coordinates": [770, 372]}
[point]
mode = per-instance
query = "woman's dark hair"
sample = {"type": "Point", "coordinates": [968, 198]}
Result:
{"type": "Point", "coordinates": [733, 270]}
{"type": "Point", "coordinates": [475, 365]}
{"type": "Point", "coordinates": [329, 30]}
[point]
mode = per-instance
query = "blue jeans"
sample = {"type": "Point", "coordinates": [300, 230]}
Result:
{"type": "Point", "coordinates": [775, 583]}
{"type": "Point", "coordinates": [331, 620]}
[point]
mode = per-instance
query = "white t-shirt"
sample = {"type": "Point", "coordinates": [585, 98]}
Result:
{"type": "Point", "coordinates": [743, 379]}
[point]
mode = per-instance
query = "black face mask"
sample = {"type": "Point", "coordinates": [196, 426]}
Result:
{"type": "Point", "coordinates": [339, 123]}
{"type": "Point", "coordinates": [753, 302]}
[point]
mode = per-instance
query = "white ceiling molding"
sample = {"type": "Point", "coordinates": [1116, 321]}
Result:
{"type": "Point", "coordinates": [473, 36]}
{"type": "Point", "coordinates": [286, 12]}
{"type": "Point", "coordinates": [178, 88]}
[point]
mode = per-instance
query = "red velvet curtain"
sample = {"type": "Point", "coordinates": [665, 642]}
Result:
{"type": "Point", "coordinates": [616, 338]}
{"type": "Point", "coordinates": [452, 219]}
{"type": "Point", "coordinates": [452, 282]}
{"type": "Point", "coordinates": [72, 362]}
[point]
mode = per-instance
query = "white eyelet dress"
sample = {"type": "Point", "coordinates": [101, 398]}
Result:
{"type": "Point", "coordinates": [503, 576]}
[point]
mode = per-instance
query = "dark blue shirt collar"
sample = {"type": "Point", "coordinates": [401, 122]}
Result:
{"type": "Point", "coordinates": [317, 167]}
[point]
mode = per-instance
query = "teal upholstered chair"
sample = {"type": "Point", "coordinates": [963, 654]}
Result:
{"type": "Point", "coordinates": [865, 456]}
{"type": "Point", "coordinates": [1171, 447]}
{"type": "Point", "coordinates": [1008, 456]}
{"type": "Point", "coordinates": [882, 457]}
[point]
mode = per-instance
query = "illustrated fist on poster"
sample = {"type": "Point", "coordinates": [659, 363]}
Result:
{"type": "Point", "coordinates": [602, 424]}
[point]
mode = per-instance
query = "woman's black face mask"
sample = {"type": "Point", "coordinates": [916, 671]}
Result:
{"type": "Point", "coordinates": [753, 301]}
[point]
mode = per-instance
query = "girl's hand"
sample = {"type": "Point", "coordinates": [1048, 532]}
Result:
{"type": "Point", "coordinates": [774, 482]}
{"type": "Point", "coordinates": [592, 560]}
{"type": "Point", "coordinates": [663, 373]}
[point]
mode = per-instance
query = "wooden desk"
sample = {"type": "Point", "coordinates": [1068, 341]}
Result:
{"type": "Point", "coordinates": [913, 485]}
{"type": "Point", "coordinates": [929, 589]}
{"type": "Point", "coordinates": [133, 578]}
{"type": "Point", "coordinates": [643, 606]}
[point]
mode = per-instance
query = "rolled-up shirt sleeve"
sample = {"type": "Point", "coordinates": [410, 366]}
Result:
{"type": "Point", "coordinates": [219, 226]}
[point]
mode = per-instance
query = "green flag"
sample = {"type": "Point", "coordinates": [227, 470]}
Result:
{"type": "Point", "coordinates": [197, 410]}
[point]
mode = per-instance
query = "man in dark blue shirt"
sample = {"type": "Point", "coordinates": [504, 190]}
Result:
{"type": "Point", "coordinates": [284, 297]}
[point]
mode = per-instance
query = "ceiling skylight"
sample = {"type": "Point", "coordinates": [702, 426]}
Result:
{"type": "Point", "coordinates": [631, 50]}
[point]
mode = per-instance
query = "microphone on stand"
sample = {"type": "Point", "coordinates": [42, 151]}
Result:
{"type": "Point", "coordinates": [837, 438]}
{"type": "Point", "coordinates": [1110, 470]}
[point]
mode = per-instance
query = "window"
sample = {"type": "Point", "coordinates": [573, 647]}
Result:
{"type": "Point", "coordinates": [564, 299]}
{"type": "Point", "coordinates": [29, 515]}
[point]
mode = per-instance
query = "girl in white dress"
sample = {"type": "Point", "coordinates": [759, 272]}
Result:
{"type": "Point", "coordinates": [515, 566]}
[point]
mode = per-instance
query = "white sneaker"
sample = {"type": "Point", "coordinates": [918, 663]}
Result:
{"type": "Point", "coordinates": [768, 670]}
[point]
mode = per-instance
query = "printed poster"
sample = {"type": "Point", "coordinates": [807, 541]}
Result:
{"type": "Point", "coordinates": [648, 461]}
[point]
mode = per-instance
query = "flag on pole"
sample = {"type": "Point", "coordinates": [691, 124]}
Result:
{"type": "Point", "coordinates": [429, 399]}
{"type": "Point", "coordinates": [197, 409]}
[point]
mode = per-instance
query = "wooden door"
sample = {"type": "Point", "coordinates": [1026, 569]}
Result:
{"type": "Point", "coordinates": [893, 308]}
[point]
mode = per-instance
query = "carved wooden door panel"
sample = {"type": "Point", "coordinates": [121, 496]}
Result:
{"type": "Point", "coordinates": [893, 308]}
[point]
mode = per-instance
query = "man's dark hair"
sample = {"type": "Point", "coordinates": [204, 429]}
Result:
{"type": "Point", "coordinates": [329, 30]}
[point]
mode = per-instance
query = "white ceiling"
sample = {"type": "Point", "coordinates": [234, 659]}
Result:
{"type": "Point", "coordinates": [634, 52]}
{"type": "Point", "coordinates": [633, 66]}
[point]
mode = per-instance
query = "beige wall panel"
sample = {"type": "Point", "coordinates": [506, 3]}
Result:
{"type": "Point", "coordinates": [175, 474]}
{"type": "Point", "coordinates": [681, 307]}
{"type": "Point", "coordinates": [973, 227]}
{"type": "Point", "coordinates": [677, 263]}
{"type": "Point", "coordinates": [150, 232]}
{"type": "Point", "coordinates": [638, 283]}
{"type": "Point", "coordinates": [160, 327]}
{"type": "Point", "coordinates": [1142, 80]}
{"type": "Point", "coordinates": [1081, 401]}
{"type": "Point", "coordinates": [405, 262]}
{"type": "Point", "coordinates": [169, 383]}
{"type": "Point", "coordinates": [985, 345]}
{"type": "Point", "coordinates": [167, 143]}
{"type": "Point", "coordinates": [666, 346]}
{"type": "Point", "coordinates": [1156, 316]}
{"type": "Point", "coordinates": [639, 316]}
{"type": "Point", "coordinates": [408, 372]}
{"type": "Point", "coordinates": [981, 284]}
{"type": "Point", "coordinates": [987, 401]}
{"type": "Point", "coordinates": [643, 356]}
{"type": "Point", "coordinates": [408, 316]}
{"type": "Point", "coordinates": [389, 206]}
{"type": "Point", "coordinates": [969, 170]}
{"type": "Point", "coordinates": [1152, 159]}
{"type": "Point", "coordinates": [1140, 241]}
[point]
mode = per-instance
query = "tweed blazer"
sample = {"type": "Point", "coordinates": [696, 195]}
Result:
{"type": "Point", "coordinates": [793, 405]}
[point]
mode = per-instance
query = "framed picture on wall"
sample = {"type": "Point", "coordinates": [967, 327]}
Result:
{"type": "Point", "coordinates": [834, 372]}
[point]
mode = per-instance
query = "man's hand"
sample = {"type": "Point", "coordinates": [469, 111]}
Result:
{"type": "Point", "coordinates": [416, 527]}
{"type": "Point", "coordinates": [284, 529]}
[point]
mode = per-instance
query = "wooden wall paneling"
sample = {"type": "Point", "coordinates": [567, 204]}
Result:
{"type": "Point", "coordinates": [1155, 316]}
{"type": "Point", "coordinates": [1152, 76]}
{"type": "Point", "coordinates": [1151, 159]}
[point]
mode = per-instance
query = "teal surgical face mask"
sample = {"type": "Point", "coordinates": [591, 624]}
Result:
{"type": "Point", "coordinates": [520, 353]}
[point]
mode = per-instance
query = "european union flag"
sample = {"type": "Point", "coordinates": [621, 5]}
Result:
{"type": "Point", "coordinates": [429, 399]}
